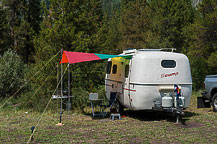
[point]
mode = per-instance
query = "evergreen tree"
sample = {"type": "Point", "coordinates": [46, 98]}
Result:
{"type": "Point", "coordinates": [202, 42]}
{"type": "Point", "coordinates": [109, 6]}
{"type": "Point", "coordinates": [22, 23]}
{"type": "Point", "coordinates": [168, 19]}
{"type": "Point", "coordinates": [31, 22]}
{"type": "Point", "coordinates": [70, 25]}
{"type": "Point", "coordinates": [110, 33]}
{"type": "Point", "coordinates": [5, 41]}
{"type": "Point", "coordinates": [10, 20]}
{"type": "Point", "coordinates": [73, 26]}
{"type": "Point", "coordinates": [134, 24]}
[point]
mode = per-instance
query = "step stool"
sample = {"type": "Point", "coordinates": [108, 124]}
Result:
{"type": "Point", "coordinates": [115, 115]}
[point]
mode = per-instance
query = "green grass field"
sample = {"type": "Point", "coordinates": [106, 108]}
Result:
{"type": "Point", "coordinates": [198, 126]}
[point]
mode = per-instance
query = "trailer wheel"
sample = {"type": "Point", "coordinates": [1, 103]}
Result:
{"type": "Point", "coordinates": [119, 108]}
{"type": "Point", "coordinates": [214, 102]}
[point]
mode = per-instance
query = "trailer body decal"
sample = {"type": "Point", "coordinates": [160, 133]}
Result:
{"type": "Point", "coordinates": [169, 75]}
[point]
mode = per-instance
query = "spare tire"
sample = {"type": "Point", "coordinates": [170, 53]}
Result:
{"type": "Point", "coordinates": [214, 102]}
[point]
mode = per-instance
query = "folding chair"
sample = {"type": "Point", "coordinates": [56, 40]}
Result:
{"type": "Point", "coordinates": [113, 97]}
{"type": "Point", "coordinates": [95, 101]}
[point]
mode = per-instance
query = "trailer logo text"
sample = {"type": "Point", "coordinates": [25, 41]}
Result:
{"type": "Point", "coordinates": [168, 75]}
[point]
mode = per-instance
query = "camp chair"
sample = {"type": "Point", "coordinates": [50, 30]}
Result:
{"type": "Point", "coordinates": [103, 109]}
{"type": "Point", "coordinates": [113, 97]}
{"type": "Point", "coordinates": [96, 103]}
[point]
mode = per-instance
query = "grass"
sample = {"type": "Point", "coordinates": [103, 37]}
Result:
{"type": "Point", "coordinates": [198, 126]}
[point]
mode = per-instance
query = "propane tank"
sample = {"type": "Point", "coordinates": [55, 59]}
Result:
{"type": "Point", "coordinates": [181, 101]}
{"type": "Point", "coordinates": [167, 101]}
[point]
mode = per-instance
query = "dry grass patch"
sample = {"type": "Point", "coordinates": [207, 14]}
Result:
{"type": "Point", "coordinates": [198, 126]}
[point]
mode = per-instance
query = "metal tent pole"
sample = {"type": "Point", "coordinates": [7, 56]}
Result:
{"type": "Point", "coordinates": [68, 105]}
{"type": "Point", "coordinates": [57, 93]}
{"type": "Point", "coordinates": [61, 103]}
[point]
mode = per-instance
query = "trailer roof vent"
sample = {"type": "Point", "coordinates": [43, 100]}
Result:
{"type": "Point", "coordinates": [168, 49]}
{"type": "Point", "coordinates": [129, 51]}
{"type": "Point", "coordinates": [149, 49]}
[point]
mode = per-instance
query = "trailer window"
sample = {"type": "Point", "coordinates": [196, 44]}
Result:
{"type": "Point", "coordinates": [108, 68]}
{"type": "Point", "coordinates": [168, 63]}
{"type": "Point", "coordinates": [126, 70]}
{"type": "Point", "coordinates": [114, 69]}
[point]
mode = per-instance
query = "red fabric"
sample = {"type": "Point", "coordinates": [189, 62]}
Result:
{"type": "Point", "coordinates": [64, 58]}
{"type": "Point", "coordinates": [76, 57]}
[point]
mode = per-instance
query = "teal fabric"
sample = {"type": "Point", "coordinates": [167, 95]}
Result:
{"type": "Point", "coordinates": [105, 56]}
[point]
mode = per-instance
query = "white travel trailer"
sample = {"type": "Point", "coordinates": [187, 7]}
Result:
{"type": "Point", "coordinates": [145, 80]}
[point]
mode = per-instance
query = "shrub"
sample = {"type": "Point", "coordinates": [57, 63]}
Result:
{"type": "Point", "coordinates": [11, 73]}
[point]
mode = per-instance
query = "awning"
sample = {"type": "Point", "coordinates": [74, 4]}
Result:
{"type": "Point", "coordinates": [77, 57]}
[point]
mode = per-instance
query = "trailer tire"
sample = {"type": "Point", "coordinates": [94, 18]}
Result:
{"type": "Point", "coordinates": [214, 102]}
{"type": "Point", "coordinates": [119, 108]}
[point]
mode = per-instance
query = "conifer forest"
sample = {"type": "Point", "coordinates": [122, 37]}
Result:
{"type": "Point", "coordinates": [34, 31]}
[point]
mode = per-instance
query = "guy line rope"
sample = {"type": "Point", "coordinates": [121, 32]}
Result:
{"type": "Point", "coordinates": [46, 108]}
{"type": "Point", "coordinates": [28, 81]}
{"type": "Point", "coordinates": [41, 85]}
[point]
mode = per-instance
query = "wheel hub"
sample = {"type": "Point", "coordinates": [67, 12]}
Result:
{"type": "Point", "coordinates": [215, 103]}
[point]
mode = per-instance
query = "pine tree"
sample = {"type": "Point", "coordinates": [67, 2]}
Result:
{"type": "Point", "coordinates": [32, 19]}
{"type": "Point", "coordinates": [5, 40]}
{"type": "Point", "coordinates": [110, 33]}
{"type": "Point", "coordinates": [168, 19]}
{"type": "Point", "coordinates": [72, 26]}
{"type": "Point", "coordinates": [109, 6]}
{"type": "Point", "coordinates": [202, 42]}
{"type": "Point", "coordinates": [134, 24]}
{"type": "Point", "coordinates": [10, 20]}
{"type": "Point", "coordinates": [22, 20]}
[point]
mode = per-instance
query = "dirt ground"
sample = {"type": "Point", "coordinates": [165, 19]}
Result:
{"type": "Point", "coordinates": [197, 126]}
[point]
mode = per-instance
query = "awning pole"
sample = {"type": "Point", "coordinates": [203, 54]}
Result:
{"type": "Point", "coordinates": [61, 103]}
{"type": "Point", "coordinates": [57, 93]}
{"type": "Point", "coordinates": [68, 105]}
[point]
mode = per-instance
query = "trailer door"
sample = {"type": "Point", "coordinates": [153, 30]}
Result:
{"type": "Point", "coordinates": [127, 101]}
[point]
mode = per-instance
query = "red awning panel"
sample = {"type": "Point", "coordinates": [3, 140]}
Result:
{"type": "Point", "coordinates": [77, 57]}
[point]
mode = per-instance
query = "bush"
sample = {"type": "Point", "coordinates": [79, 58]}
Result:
{"type": "Point", "coordinates": [11, 74]}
